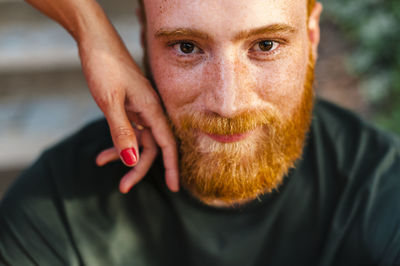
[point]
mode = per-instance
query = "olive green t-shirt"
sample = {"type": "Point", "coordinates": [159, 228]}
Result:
{"type": "Point", "coordinates": [339, 206]}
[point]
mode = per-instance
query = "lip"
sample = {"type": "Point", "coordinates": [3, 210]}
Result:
{"type": "Point", "coordinates": [229, 138]}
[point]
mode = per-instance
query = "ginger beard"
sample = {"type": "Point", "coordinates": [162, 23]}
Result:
{"type": "Point", "coordinates": [237, 172]}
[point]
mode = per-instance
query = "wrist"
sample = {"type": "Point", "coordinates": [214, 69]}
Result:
{"type": "Point", "coordinates": [78, 17]}
{"type": "Point", "coordinates": [90, 22]}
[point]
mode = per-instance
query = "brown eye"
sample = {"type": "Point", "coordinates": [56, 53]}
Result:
{"type": "Point", "coordinates": [187, 47]}
{"type": "Point", "coordinates": [266, 45]}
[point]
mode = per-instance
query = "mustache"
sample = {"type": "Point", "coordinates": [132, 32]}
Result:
{"type": "Point", "coordinates": [212, 123]}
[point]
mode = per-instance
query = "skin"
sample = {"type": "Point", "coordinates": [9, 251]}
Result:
{"type": "Point", "coordinates": [227, 74]}
{"type": "Point", "coordinates": [119, 88]}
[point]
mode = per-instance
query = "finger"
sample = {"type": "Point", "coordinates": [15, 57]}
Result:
{"type": "Point", "coordinates": [138, 172]}
{"type": "Point", "coordinates": [149, 153]}
{"type": "Point", "coordinates": [111, 154]}
{"type": "Point", "coordinates": [123, 135]}
{"type": "Point", "coordinates": [107, 156]}
{"type": "Point", "coordinates": [156, 120]}
{"type": "Point", "coordinates": [133, 117]}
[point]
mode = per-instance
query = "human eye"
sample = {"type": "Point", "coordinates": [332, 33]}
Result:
{"type": "Point", "coordinates": [185, 48]}
{"type": "Point", "coordinates": [265, 46]}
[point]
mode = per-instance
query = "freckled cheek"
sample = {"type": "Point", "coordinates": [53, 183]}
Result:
{"type": "Point", "coordinates": [280, 84]}
{"type": "Point", "coordinates": [179, 87]}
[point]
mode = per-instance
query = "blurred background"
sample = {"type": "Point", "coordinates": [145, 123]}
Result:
{"type": "Point", "coordinates": [44, 97]}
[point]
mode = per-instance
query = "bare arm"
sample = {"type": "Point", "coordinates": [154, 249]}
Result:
{"type": "Point", "coordinates": [119, 88]}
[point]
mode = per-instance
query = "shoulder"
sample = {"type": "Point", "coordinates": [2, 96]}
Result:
{"type": "Point", "coordinates": [354, 144]}
{"type": "Point", "coordinates": [68, 169]}
{"type": "Point", "coordinates": [71, 163]}
{"type": "Point", "coordinates": [366, 166]}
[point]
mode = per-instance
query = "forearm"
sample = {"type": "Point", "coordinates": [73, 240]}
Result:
{"type": "Point", "coordinates": [85, 20]}
{"type": "Point", "coordinates": [119, 88]}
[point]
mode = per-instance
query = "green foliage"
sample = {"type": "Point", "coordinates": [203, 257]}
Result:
{"type": "Point", "coordinates": [373, 26]}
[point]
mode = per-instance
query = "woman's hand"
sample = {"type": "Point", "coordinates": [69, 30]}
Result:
{"type": "Point", "coordinates": [150, 151]}
{"type": "Point", "coordinates": [125, 95]}
{"type": "Point", "coordinates": [119, 89]}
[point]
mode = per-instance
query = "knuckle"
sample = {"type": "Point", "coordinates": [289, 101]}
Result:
{"type": "Point", "coordinates": [108, 100]}
{"type": "Point", "coordinates": [150, 101]}
{"type": "Point", "coordinates": [122, 132]}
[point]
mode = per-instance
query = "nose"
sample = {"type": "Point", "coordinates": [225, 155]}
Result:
{"type": "Point", "coordinates": [229, 86]}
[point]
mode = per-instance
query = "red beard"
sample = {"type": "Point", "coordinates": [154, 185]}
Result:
{"type": "Point", "coordinates": [233, 173]}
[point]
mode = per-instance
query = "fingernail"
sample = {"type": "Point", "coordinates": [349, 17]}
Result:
{"type": "Point", "coordinates": [129, 156]}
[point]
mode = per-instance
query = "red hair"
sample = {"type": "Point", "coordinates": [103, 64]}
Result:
{"type": "Point", "coordinates": [310, 6]}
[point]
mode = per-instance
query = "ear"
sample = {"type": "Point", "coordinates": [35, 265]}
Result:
{"type": "Point", "coordinates": [142, 22]}
{"type": "Point", "coordinates": [313, 28]}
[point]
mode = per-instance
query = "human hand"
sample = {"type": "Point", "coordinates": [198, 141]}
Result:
{"type": "Point", "coordinates": [119, 89]}
{"type": "Point", "coordinates": [125, 95]}
{"type": "Point", "coordinates": [149, 153]}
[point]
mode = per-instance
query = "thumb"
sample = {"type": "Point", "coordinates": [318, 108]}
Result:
{"type": "Point", "coordinates": [123, 135]}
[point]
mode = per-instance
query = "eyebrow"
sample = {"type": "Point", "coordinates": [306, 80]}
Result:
{"type": "Point", "coordinates": [181, 33]}
{"type": "Point", "coordinates": [189, 32]}
{"type": "Point", "coordinates": [270, 29]}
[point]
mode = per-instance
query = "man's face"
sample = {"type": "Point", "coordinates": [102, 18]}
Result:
{"type": "Point", "coordinates": [235, 78]}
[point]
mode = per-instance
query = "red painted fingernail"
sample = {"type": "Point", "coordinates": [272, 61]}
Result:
{"type": "Point", "coordinates": [129, 156]}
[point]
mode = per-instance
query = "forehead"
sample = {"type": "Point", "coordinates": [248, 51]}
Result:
{"type": "Point", "coordinates": [223, 16]}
